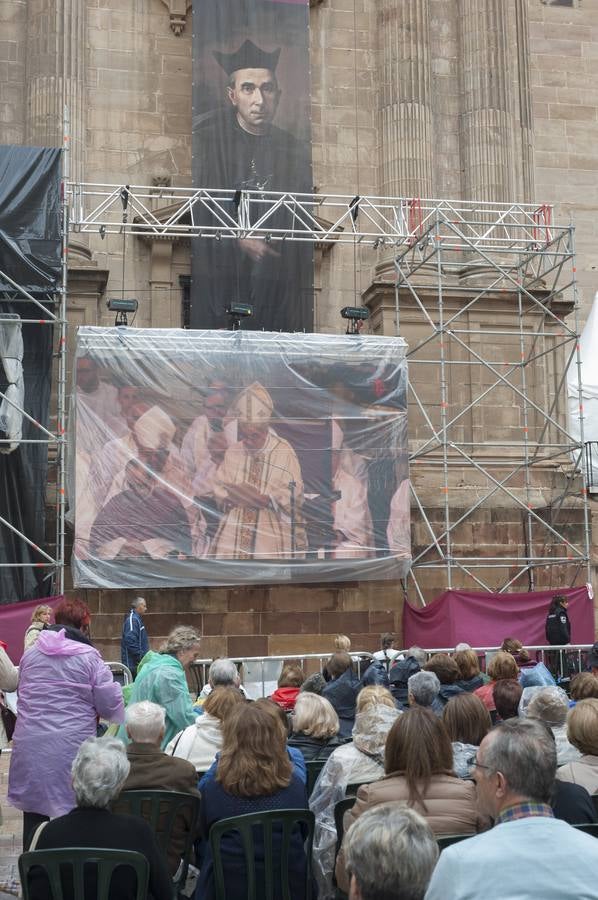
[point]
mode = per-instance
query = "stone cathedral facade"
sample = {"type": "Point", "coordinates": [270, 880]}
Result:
{"type": "Point", "coordinates": [488, 100]}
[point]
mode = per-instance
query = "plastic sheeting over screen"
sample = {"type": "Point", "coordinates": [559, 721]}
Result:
{"type": "Point", "coordinates": [221, 457]}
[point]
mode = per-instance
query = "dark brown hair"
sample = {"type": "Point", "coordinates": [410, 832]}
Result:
{"type": "Point", "coordinates": [72, 612]}
{"type": "Point", "coordinates": [583, 686]}
{"type": "Point", "coordinates": [222, 700]}
{"type": "Point", "coordinates": [467, 663]}
{"type": "Point", "coordinates": [444, 666]}
{"type": "Point", "coordinates": [515, 648]}
{"type": "Point", "coordinates": [502, 666]}
{"type": "Point", "coordinates": [254, 761]}
{"type": "Point", "coordinates": [418, 747]}
{"type": "Point", "coordinates": [338, 663]}
{"type": "Point", "coordinates": [466, 719]}
{"type": "Point", "coordinates": [507, 694]}
{"type": "Point", "coordinates": [291, 676]}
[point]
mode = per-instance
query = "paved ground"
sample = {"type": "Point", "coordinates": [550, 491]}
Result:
{"type": "Point", "coordinates": [10, 830]}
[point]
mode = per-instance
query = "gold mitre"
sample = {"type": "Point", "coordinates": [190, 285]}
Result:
{"type": "Point", "coordinates": [254, 405]}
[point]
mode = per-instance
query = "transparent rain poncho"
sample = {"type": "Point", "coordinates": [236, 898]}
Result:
{"type": "Point", "coordinates": [550, 705]}
{"type": "Point", "coordinates": [360, 761]}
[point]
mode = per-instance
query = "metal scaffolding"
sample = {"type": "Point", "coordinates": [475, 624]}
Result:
{"type": "Point", "coordinates": [533, 276]}
{"type": "Point", "coordinates": [512, 254]}
{"type": "Point", "coordinates": [48, 315]}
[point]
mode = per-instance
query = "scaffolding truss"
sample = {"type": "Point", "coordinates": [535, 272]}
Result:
{"type": "Point", "coordinates": [47, 315]}
{"type": "Point", "coordinates": [451, 259]}
{"type": "Point", "coordinates": [454, 288]}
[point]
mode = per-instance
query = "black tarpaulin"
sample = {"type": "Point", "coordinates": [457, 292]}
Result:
{"type": "Point", "coordinates": [30, 255]}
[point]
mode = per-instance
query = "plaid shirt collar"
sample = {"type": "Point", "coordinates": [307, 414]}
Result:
{"type": "Point", "coordinates": [524, 811]}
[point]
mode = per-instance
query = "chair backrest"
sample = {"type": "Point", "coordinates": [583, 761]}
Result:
{"type": "Point", "coordinates": [284, 821]}
{"type": "Point", "coordinates": [340, 809]}
{"type": "Point", "coordinates": [314, 767]}
{"type": "Point", "coordinates": [446, 840]}
{"type": "Point", "coordinates": [161, 809]}
{"type": "Point", "coordinates": [351, 789]}
{"type": "Point", "coordinates": [589, 828]}
{"type": "Point", "coordinates": [72, 865]}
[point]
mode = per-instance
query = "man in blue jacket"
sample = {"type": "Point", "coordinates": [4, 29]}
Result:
{"type": "Point", "coordinates": [134, 643]}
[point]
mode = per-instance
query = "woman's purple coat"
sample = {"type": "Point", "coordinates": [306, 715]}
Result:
{"type": "Point", "coordinates": [63, 686]}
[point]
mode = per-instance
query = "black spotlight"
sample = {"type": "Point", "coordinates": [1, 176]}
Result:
{"type": "Point", "coordinates": [356, 316]}
{"type": "Point", "coordinates": [236, 312]}
{"type": "Point", "coordinates": [122, 307]}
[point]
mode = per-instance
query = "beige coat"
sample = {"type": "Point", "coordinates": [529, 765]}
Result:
{"type": "Point", "coordinates": [450, 801]}
{"type": "Point", "coordinates": [583, 772]}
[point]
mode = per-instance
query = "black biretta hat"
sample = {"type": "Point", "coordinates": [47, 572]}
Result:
{"type": "Point", "coordinates": [248, 56]}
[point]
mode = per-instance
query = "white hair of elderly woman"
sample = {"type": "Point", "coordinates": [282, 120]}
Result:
{"type": "Point", "coordinates": [99, 770]}
{"type": "Point", "coordinates": [424, 687]}
{"type": "Point", "coordinates": [392, 852]}
{"type": "Point", "coordinates": [223, 672]}
{"type": "Point", "coordinates": [145, 722]}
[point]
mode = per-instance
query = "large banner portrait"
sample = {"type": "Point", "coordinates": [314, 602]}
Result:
{"type": "Point", "coordinates": [251, 133]}
{"type": "Point", "coordinates": [232, 457]}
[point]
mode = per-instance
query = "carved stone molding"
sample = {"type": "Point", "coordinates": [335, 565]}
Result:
{"type": "Point", "coordinates": [178, 14]}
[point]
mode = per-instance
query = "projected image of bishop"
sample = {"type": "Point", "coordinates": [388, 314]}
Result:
{"type": "Point", "coordinates": [240, 148]}
{"type": "Point", "coordinates": [259, 487]}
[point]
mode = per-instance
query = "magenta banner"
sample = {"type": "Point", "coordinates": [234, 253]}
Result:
{"type": "Point", "coordinates": [484, 620]}
{"type": "Point", "coordinates": [15, 618]}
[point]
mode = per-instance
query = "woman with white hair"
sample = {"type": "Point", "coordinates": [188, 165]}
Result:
{"type": "Point", "coordinates": [161, 679]}
{"type": "Point", "coordinates": [99, 771]}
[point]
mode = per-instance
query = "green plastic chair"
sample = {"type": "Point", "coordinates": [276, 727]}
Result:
{"type": "Point", "coordinates": [72, 861]}
{"type": "Point", "coordinates": [285, 819]}
{"type": "Point", "coordinates": [340, 809]}
{"type": "Point", "coordinates": [588, 827]}
{"type": "Point", "coordinates": [446, 840]}
{"type": "Point", "coordinates": [160, 809]}
{"type": "Point", "coordinates": [314, 767]}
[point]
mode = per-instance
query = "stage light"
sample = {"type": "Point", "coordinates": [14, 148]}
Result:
{"type": "Point", "coordinates": [122, 307]}
{"type": "Point", "coordinates": [126, 306]}
{"type": "Point", "coordinates": [238, 311]}
{"type": "Point", "coordinates": [356, 316]}
{"type": "Point", "coordinates": [355, 312]}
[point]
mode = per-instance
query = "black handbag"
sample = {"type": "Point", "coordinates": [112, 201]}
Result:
{"type": "Point", "coordinates": [8, 720]}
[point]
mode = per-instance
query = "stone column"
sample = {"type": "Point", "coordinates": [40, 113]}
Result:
{"type": "Point", "coordinates": [405, 103]}
{"type": "Point", "coordinates": [526, 122]}
{"type": "Point", "coordinates": [56, 76]}
{"type": "Point", "coordinates": [13, 31]}
{"type": "Point", "coordinates": [487, 115]}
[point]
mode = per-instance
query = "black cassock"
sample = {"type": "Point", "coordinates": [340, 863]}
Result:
{"type": "Point", "coordinates": [279, 287]}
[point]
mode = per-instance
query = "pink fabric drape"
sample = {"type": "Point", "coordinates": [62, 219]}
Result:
{"type": "Point", "coordinates": [484, 620]}
{"type": "Point", "coordinates": [15, 618]}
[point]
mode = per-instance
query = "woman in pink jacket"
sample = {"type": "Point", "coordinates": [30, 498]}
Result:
{"type": "Point", "coordinates": [64, 686]}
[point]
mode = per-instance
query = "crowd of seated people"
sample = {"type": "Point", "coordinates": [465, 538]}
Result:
{"type": "Point", "coordinates": [423, 766]}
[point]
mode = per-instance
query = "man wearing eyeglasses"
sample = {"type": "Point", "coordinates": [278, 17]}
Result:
{"type": "Point", "coordinates": [528, 854]}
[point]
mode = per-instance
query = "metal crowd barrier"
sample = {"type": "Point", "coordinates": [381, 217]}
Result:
{"type": "Point", "coordinates": [259, 674]}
